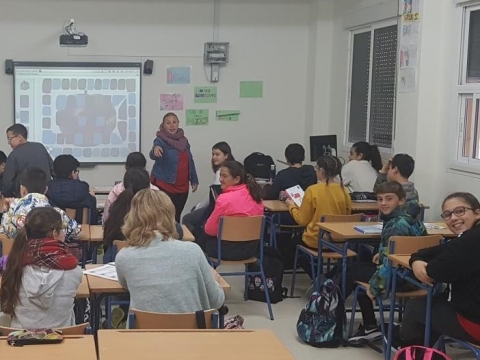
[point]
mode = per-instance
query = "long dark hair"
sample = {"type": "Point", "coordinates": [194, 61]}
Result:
{"type": "Point", "coordinates": [226, 150]}
{"type": "Point", "coordinates": [39, 223]}
{"type": "Point", "coordinates": [332, 166]}
{"type": "Point", "coordinates": [236, 169]}
{"type": "Point", "coordinates": [134, 180]}
{"type": "Point", "coordinates": [369, 153]}
{"type": "Point", "coordinates": [471, 200]}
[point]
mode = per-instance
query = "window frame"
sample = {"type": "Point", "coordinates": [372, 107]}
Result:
{"type": "Point", "coordinates": [352, 32]}
{"type": "Point", "coordinates": [463, 90]}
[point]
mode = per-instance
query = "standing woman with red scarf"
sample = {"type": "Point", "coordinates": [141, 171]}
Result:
{"type": "Point", "coordinates": [42, 276]}
{"type": "Point", "coordinates": [174, 168]}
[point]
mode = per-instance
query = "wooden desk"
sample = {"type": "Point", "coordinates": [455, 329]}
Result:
{"type": "Point", "coordinates": [83, 292]}
{"type": "Point", "coordinates": [359, 207]}
{"type": "Point", "coordinates": [102, 190]}
{"type": "Point", "coordinates": [98, 285]}
{"type": "Point", "coordinates": [96, 233]}
{"type": "Point", "coordinates": [190, 344]}
{"type": "Point", "coordinates": [85, 236]}
{"type": "Point", "coordinates": [72, 348]}
{"type": "Point", "coordinates": [347, 231]}
{"type": "Point", "coordinates": [400, 260]}
{"type": "Point", "coordinates": [187, 235]}
{"type": "Point", "coordinates": [275, 206]}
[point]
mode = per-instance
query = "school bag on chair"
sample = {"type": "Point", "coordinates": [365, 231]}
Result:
{"type": "Point", "coordinates": [420, 353]}
{"type": "Point", "coordinates": [323, 322]}
{"type": "Point", "coordinates": [258, 165]}
{"type": "Point", "coordinates": [273, 268]}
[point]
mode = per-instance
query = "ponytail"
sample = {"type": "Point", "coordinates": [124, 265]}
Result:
{"type": "Point", "coordinates": [119, 209]}
{"type": "Point", "coordinates": [375, 158]}
{"type": "Point", "coordinates": [12, 277]}
{"type": "Point", "coordinates": [253, 188]}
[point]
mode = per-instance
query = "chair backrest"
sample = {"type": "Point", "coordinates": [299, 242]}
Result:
{"type": "Point", "coordinates": [119, 245]}
{"type": "Point", "coordinates": [407, 245]}
{"type": "Point", "coordinates": [80, 329]}
{"type": "Point", "coordinates": [341, 218]}
{"type": "Point", "coordinates": [241, 228]}
{"type": "Point", "coordinates": [7, 244]}
{"type": "Point", "coordinates": [72, 213]}
{"type": "Point", "coordinates": [148, 320]}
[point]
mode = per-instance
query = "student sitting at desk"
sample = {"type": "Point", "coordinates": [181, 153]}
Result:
{"type": "Point", "coordinates": [241, 196]}
{"type": "Point", "coordinates": [399, 168]}
{"type": "Point", "coordinates": [396, 222]}
{"type": "Point", "coordinates": [295, 174]}
{"type": "Point", "coordinates": [134, 180]}
{"type": "Point", "coordinates": [456, 312]}
{"type": "Point", "coordinates": [326, 197]}
{"type": "Point", "coordinates": [163, 274]}
{"type": "Point", "coordinates": [33, 186]}
{"type": "Point", "coordinates": [42, 276]}
{"type": "Point", "coordinates": [134, 160]}
{"type": "Point", "coordinates": [362, 169]}
{"type": "Point", "coordinates": [68, 191]}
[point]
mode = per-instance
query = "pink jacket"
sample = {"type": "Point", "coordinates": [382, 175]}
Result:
{"type": "Point", "coordinates": [233, 201]}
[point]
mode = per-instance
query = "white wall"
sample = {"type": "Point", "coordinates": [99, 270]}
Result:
{"type": "Point", "coordinates": [424, 118]}
{"type": "Point", "coordinates": [269, 41]}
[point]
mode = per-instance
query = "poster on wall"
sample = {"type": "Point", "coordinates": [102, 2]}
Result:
{"type": "Point", "coordinates": [178, 75]}
{"type": "Point", "coordinates": [171, 102]}
{"type": "Point", "coordinates": [195, 117]}
{"type": "Point", "coordinates": [407, 80]}
{"type": "Point", "coordinates": [227, 115]}
{"type": "Point", "coordinates": [409, 8]}
{"type": "Point", "coordinates": [205, 95]}
{"type": "Point", "coordinates": [251, 89]}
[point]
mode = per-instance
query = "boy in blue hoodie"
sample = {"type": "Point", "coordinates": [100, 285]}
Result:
{"type": "Point", "coordinates": [399, 219]}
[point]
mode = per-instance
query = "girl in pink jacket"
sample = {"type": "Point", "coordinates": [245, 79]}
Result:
{"type": "Point", "coordinates": [241, 196]}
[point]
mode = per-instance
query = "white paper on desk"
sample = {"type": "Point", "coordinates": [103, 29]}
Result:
{"type": "Point", "coordinates": [296, 193]}
{"type": "Point", "coordinates": [107, 271]}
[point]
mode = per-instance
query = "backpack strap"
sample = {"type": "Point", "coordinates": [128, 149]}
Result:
{"type": "Point", "coordinates": [411, 352]}
{"type": "Point", "coordinates": [200, 315]}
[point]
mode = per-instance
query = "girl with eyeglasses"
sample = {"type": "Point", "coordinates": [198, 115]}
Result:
{"type": "Point", "coordinates": [456, 312]}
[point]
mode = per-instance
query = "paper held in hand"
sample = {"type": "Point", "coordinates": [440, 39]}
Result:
{"type": "Point", "coordinates": [296, 193]}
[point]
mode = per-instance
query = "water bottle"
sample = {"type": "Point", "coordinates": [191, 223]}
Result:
{"type": "Point", "coordinates": [272, 172]}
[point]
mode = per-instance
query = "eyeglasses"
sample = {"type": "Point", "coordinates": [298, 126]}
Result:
{"type": "Point", "coordinates": [9, 139]}
{"type": "Point", "coordinates": [458, 211]}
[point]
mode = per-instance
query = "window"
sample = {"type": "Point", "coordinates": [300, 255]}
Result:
{"type": "Point", "coordinates": [468, 89]}
{"type": "Point", "coordinates": [372, 85]}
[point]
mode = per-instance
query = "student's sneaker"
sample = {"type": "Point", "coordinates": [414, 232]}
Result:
{"type": "Point", "coordinates": [397, 342]}
{"type": "Point", "coordinates": [364, 336]}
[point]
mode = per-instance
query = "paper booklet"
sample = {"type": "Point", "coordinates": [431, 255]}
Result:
{"type": "Point", "coordinates": [107, 271]}
{"type": "Point", "coordinates": [296, 193]}
{"type": "Point", "coordinates": [369, 229]}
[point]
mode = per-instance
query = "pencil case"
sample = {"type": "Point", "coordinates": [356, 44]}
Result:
{"type": "Point", "coordinates": [34, 337]}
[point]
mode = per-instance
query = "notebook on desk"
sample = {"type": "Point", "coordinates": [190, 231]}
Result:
{"type": "Point", "coordinates": [369, 229]}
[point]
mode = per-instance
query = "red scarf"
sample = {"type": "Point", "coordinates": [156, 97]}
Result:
{"type": "Point", "coordinates": [51, 253]}
{"type": "Point", "coordinates": [177, 140]}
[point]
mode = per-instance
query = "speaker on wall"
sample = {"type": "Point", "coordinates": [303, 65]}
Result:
{"type": "Point", "coordinates": [148, 67]}
{"type": "Point", "coordinates": [9, 66]}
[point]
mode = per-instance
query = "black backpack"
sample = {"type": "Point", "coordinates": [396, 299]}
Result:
{"type": "Point", "coordinates": [323, 322]}
{"type": "Point", "coordinates": [258, 165]}
{"type": "Point", "coordinates": [273, 268]}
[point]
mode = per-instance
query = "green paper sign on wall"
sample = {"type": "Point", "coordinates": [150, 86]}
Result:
{"type": "Point", "coordinates": [205, 95]}
{"type": "Point", "coordinates": [196, 117]}
{"type": "Point", "coordinates": [227, 115]}
{"type": "Point", "coordinates": [251, 89]}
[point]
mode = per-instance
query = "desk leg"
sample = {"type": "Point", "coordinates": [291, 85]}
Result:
{"type": "Point", "coordinates": [391, 316]}
{"type": "Point", "coordinates": [428, 320]}
{"type": "Point", "coordinates": [94, 245]}
{"type": "Point", "coordinates": [84, 253]}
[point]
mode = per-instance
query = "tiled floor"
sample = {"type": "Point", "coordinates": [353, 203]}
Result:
{"type": "Point", "coordinates": [286, 315]}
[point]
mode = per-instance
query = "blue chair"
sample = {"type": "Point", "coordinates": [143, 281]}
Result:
{"type": "Point", "coordinates": [326, 240]}
{"type": "Point", "coordinates": [440, 345]}
{"type": "Point", "coordinates": [153, 321]}
{"type": "Point", "coordinates": [241, 229]}
{"type": "Point", "coordinates": [397, 245]}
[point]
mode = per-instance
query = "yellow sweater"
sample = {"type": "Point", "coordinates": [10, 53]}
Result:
{"type": "Point", "coordinates": [320, 199]}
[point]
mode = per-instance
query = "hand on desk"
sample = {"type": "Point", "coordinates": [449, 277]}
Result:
{"type": "Point", "coordinates": [420, 271]}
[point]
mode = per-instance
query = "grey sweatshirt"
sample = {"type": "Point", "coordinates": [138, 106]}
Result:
{"type": "Point", "coordinates": [46, 298]}
{"type": "Point", "coordinates": [409, 187]}
{"type": "Point", "coordinates": [168, 277]}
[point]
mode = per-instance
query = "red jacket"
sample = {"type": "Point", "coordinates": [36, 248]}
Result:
{"type": "Point", "coordinates": [233, 201]}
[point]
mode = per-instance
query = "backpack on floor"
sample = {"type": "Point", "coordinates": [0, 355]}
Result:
{"type": "Point", "coordinates": [273, 269]}
{"type": "Point", "coordinates": [258, 165]}
{"type": "Point", "coordinates": [420, 353]}
{"type": "Point", "coordinates": [323, 322]}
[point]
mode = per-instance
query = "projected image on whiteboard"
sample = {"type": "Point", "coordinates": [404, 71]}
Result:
{"type": "Point", "coordinates": [90, 112]}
